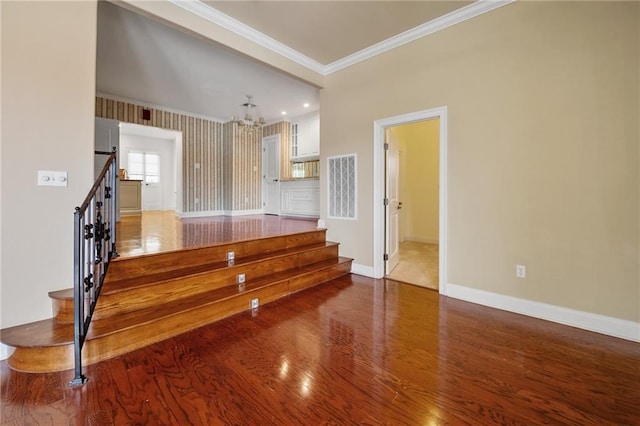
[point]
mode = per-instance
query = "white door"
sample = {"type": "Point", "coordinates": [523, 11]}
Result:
{"type": "Point", "coordinates": [271, 174]}
{"type": "Point", "coordinates": [393, 205]}
{"type": "Point", "coordinates": [145, 166]}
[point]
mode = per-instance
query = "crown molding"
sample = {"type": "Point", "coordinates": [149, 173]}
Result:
{"type": "Point", "coordinates": [227, 22]}
{"type": "Point", "coordinates": [445, 21]}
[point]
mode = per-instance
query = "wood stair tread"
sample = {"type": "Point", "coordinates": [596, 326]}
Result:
{"type": "Point", "coordinates": [141, 316]}
{"type": "Point", "coordinates": [114, 286]}
{"type": "Point", "coordinates": [50, 332]}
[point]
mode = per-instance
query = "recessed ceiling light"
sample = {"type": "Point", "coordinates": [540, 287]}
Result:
{"type": "Point", "coordinates": [306, 105]}
{"type": "Point", "coordinates": [284, 113]}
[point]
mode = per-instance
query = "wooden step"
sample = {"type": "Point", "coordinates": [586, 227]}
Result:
{"type": "Point", "coordinates": [138, 266]}
{"type": "Point", "coordinates": [48, 345]}
{"type": "Point", "coordinates": [121, 296]}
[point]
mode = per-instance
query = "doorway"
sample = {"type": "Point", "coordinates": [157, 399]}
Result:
{"type": "Point", "coordinates": [154, 156]}
{"type": "Point", "coordinates": [412, 212]}
{"type": "Point", "coordinates": [380, 211]}
{"type": "Point", "coordinates": [271, 174]}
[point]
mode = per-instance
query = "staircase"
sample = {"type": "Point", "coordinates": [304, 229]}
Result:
{"type": "Point", "coordinates": [150, 298]}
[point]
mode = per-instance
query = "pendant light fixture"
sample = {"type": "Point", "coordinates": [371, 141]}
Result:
{"type": "Point", "coordinates": [248, 115]}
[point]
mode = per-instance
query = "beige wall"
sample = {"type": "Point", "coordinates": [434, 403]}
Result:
{"type": "Point", "coordinates": [48, 89]}
{"type": "Point", "coordinates": [419, 145]}
{"type": "Point", "coordinates": [543, 156]}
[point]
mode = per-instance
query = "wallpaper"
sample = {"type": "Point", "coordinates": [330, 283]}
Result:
{"type": "Point", "coordinates": [218, 160]}
{"type": "Point", "coordinates": [284, 129]}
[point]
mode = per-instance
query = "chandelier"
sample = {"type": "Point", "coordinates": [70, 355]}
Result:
{"type": "Point", "coordinates": [248, 115]}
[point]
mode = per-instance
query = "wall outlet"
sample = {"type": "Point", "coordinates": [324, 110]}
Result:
{"type": "Point", "coordinates": [521, 271]}
{"type": "Point", "coordinates": [241, 278]}
{"type": "Point", "coordinates": [255, 303]}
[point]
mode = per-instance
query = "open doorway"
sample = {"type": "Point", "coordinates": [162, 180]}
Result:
{"type": "Point", "coordinates": [153, 156]}
{"type": "Point", "coordinates": [381, 210]}
{"type": "Point", "coordinates": [412, 189]}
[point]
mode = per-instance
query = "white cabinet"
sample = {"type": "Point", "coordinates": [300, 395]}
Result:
{"type": "Point", "coordinates": [305, 139]}
{"type": "Point", "coordinates": [300, 197]}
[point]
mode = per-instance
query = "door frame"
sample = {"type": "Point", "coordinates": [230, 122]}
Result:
{"type": "Point", "coordinates": [176, 138]}
{"type": "Point", "coordinates": [278, 139]}
{"type": "Point", "coordinates": [379, 127]}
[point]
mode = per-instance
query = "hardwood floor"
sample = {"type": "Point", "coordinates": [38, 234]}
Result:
{"type": "Point", "coordinates": [353, 351]}
{"type": "Point", "coordinates": [161, 231]}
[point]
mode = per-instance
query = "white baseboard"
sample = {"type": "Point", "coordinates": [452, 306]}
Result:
{"type": "Point", "coordinates": [209, 213]}
{"type": "Point", "coordinates": [420, 240]}
{"type": "Point", "coordinates": [5, 351]}
{"type": "Point", "coordinates": [243, 212]}
{"type": "Point", "coordinates": [206, 213]}
{"type": "Point", "coordinates": [367, 271]}
{"type": "Point", "coordinates": [610, 326]}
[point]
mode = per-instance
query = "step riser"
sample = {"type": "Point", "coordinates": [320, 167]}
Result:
{"type": "Point", "coordinates": [40, 360]}
{"type": "Point", "coordinates": [146, 334]}
{"type": "Point", "coordinates": [162, 262]}
{"type": "Point", "coordinates": [310, 280]}
{"type": "Point", "coordinates": [139, 298]}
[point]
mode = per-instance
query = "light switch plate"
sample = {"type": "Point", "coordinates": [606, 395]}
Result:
{"type": "Point", "coordinates": [52, 178]}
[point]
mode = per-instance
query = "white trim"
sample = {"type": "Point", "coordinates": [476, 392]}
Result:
{"type": "Point", "coordinates": [456, 17]}
{"type": "Point", "coordinates": [610, 326]}
{"type": "Point", "coordinates": [379, 127]}
{"type": "Point", "coordinates": [205, 213]}
{"type": "Point", "coordinates": [210, 213]}
{"type": "Point", "coordinates": [411, 238]}
{"type": "Point", "coordinates": [227, 22]}
{"type": "Point", "coordinates": [243, 212]}
{"type": "Point", "coordinates": [6, 351]}
{"type": "Point", "coordinates": [358, 269]}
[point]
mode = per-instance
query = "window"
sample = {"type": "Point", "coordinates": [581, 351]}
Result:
{"type": "Point", "coordinates": [342, 186]}
{"type": "Point", "coordinates": [144, 166]}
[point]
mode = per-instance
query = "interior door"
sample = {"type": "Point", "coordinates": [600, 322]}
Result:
{"type": "Point", "coordinates": [392, 216]}
{"type": "Point", "coordinates": [271, 174]}
{"type": "Point", "coordinates": [145, 166]}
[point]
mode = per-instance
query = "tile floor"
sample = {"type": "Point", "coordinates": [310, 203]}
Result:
{"type": "Point", "coordinates": [418, 264]}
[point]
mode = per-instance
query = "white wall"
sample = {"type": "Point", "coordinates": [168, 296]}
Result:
{"type": "Point", "coordinates": [48, 98]}
{"type": "Point", "coordinates": [166, 149]}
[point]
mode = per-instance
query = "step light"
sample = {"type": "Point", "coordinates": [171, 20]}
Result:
{"type": "Point", "coordinates": [255, 303]}
{"type": "Point", "coordinates": [241, 278]}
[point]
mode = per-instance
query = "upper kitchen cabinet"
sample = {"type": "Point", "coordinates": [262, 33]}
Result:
{"type": "Point", "coordinates": [305, 138]}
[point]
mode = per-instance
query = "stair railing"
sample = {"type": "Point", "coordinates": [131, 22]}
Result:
{"type": "Point", "coordinates": [94, 224]}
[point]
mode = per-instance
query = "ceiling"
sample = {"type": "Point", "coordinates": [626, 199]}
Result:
{"type": "Point", "coordinates": [144, 60]}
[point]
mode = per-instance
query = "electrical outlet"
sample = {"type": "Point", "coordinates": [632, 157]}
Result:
{"type": "Point", "coordinates": [255, 303]}
{"type": "Point", "coordinates": [241, 278]}
{"type": "Point", "coordinates": [521, 271]}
